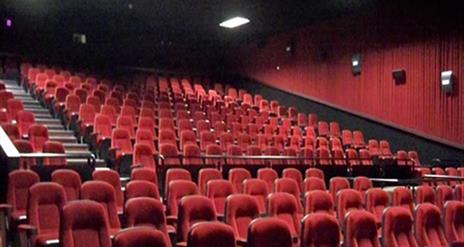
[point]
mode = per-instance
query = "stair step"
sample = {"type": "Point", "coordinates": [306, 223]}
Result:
{"type": "Point", "coordinates": [61, 132]}
{"type": "Point", "coordinates": [37, 110]}
{"type": "Point", "coordinates": [55, 127]}
{"type": "Point", "coordinates": [43, 115]}
{"type": "Point", "coordinates": [48, 121]}
{"type": "Point", "coordinates": [63, 139]}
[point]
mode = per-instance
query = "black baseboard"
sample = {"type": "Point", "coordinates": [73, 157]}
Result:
{"type": "Point", "coordinates": [428, 149]}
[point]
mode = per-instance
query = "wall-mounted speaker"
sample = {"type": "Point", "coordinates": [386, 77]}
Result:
{"type": "Point", "coordinates": [447, 81]}
{"type": "Point", "coordinates": [399, 76]}
{"type": "Point", "coordinates": [356, 64]}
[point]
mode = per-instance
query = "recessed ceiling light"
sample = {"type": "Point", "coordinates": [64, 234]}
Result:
{"type": "Point", "coordinates": [234, 22]}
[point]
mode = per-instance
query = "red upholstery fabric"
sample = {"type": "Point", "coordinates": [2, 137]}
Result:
{"type": "Point", "coordinates": [19, 182]}
{"type": "Point", "coordinates": [289, 185]}
{"type": "Point", "coordinates": [294, 174]}
{"type": "Point", "coordinates": [443, 194]}
{"type": "Point", "coordinates": [210, 234]}
{"type": "Point", "coordinates": [170, 154]}
{"type": "Point", "coordinates": [269, 232]}
{"type": "Point", "coordinates": [314, 183]}
{"type": "Point", "coordinates": [268, 175]}
{"type": "Point", "coordinates": [104, 194]}
{"type": "Point", "coordinates": [362, 184]}
{"type": "Point", "coordinates": [284, 206]}
{"type": "Point", "coordinates": [112, 178]}
{"type": "Point", "coordinates": [141, 188]}
{"type": "Point", "coordinates": [38, 135]}
{"type": "Point", "coordinates": [141, 236]}
{"type": "Point", "coordinates": [347, 200]}
{"type": "Point", "coordinates": [361, 229]}
{"type": "Point", "coordinates": [192, 154]}
{"type": "Point", "coordinates": [176, 190]}
{"type": "Point", "coordinates": [319, 201]}
{"type": "Point", "coordinates": [24, 119]}
{"type": "Point", "coordinates": [24, 146]}
{"type": "Point", "coordinates": [205, 175]}
{"type": "Point", "coordinates": [315, 172]}
{"type": "Point", "coordinates": [376, 202]}
{"type": "Point", "coordinates": [453, 221]}
{"type": "Point", "coordinates": [397, 228]}
{"type": "Point", "coordinates": [237, 176]}
{"type": "Point", "coordinates": [193, 209]}
{"type": "Point", "coordinates": [428, 227]}
{"type": "Point", "coordinates": [218, 190]}
{"type": "Point", "coordinates": [71, 182]}
{"type": "Point", "coordinates": [84, 224]}
{"type": "Point", "coordinates": [402, 197]}
{"type": "Point", "coordinates": [143, 156]}
{"type": "Point", "coordinates": [425, 193]}
{"type": "Point", "coordinates": [240, 210]}
{"type": "Point", "coordinates": [54, 147]}
{"type": "Point", "coordinates": [144, 174]}
{"type": "Point", "coordinates": [46, 200]}
{"type": "Point", "coordinates": [320, 229]}
{"type": "Point", "coordinates": [336, 184]}
{"type": "Point", "coordinates": [257, 189]}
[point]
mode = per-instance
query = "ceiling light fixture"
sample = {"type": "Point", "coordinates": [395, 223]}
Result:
{"type": "Point", "coordinates": [234, 22]}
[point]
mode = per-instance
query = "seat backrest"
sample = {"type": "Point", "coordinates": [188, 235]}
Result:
{"type": "Point", "coordinates": [209, 234]}
{"type": "Point", "coordinates": [193, 209]}
{"type": "Point", "coordinates": [257, 188]}
{"type": "Point", "coordinates": [320, 229]}
{"type": "Point", "coordinates": [402, 197]}
{"type": "Point", "coordinates": [376, 201]}
{"type": "Point", "coordinates": [46, 199]}
{"type": "Point", "coordinates": [294, 174]}
{"type": "Point", "coordinates": [104, 194]}
{"type": "Point", "coordinates": [170, 153]}
{"type": "Point", "coordinates": [205, 175]}
{"type": "Point", "coordinates": [237, 176]}
{"type": "Point", "coordinates": [218, 190]}
{"type": "Point", "coordinates": [362, 184]}
{"type": "Point", "coordinates": [71, 182]}
{"type": "Point", "coordinates": [144, 156]}
{"type": "Point", "coordinates": [38, 135]}
{"type": "Point", "coordinates": [443, 194]}
{"type": "Point", "coordinates": [315, 172]}
{"type": "Point", "coordinates": [102, 126]}
{"type": "Point", "coordinates": [19, 182]}
{"type": "Point", "coordinates": [176, 190]}
{"type": "Point", "coordinates": [83, 224]}
{"type": "Point", "coordinates": [126, 123]}
{"type": "Point", "coordinates": [428, 227]}
{"type": "Point", "coordinates": [144, 174]}
{"type": "Point", "coordinates": [397, 228]}
{"type": "Point", "coordinates": [319, 201]}
{"type": "Point", "coordinates": [453, 221]}
{"type": "Point", "coordinates": [112, 178]}
{"type": "Point", "coordinates": [289, 185]}
{"type": "Point", "coordinates": [347, 200]}
{"type": "Point", "coordinates": [268, 175]}
{"type": "Point", "coordinates": [425, 193]}
{"type": "Point", "coordinates": [24, 146]}
{"type": "Point", "coordinates": [240, 210]}
{"type": "Point", "coordinates": [269, 232]}
{"type": "Point", "coordinates": [24, 120]}
{"type": "Point", "coordinates": [141, 188]}
{"type": "Point", "coordinates": [314, 183]}
{"type": "Point", "coordinates": [192, 155]}
{"type": "Point", "coordinates": [141, 236]}
{"type": "Point", "coordinates": [360, 229]}
{"type": "Point", "coordinates": [283, 205]}
{"type": "Point", "coordinates": [54, 147]}
{"type": "Point", "coordinates": [336, 184]}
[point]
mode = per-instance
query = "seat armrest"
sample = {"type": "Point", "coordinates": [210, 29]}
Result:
{"type": "Point", "coordinates": [26, 233]}
{"type": "Point", "coordinates": [171, 219]}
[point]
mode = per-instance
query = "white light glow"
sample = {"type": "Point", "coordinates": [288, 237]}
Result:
{"type": "Point", "coordinates": [447, 73]}
{"type": "Point", "coordinates": [445, 82]}
{"type": "Point", "coordinates": [355, 63]}
{"type": "Point", "coordinates": [234, 22]}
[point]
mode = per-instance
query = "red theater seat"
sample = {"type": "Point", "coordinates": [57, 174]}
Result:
{"type": "Point", "coordinates": [284, 207]}
{"type": "Point", "coordinates": [425, 193]}
{"type": "Point", "coordinates": [362, 184]}
{"type": "Point", "coordinates": [319, 201]}
{"type": "Point", "coordinates": [240, 210]}
{"type": "Point", "coordinates": [289, 186]}
{"type": "Point", "coordinates": [71, 182]}
{"type": "Point", "coordinates": [315, 172]}
{"type": "Point", "coordinates": [347, 200]}
{"type": "Point", "coordinates": [104, 194]}
{"type": "Point", "coordinates": [176, 190]}
{"type": "Point", "coordinates": [269, 232]}
{"type": "Point", "coordinates": [38, 135]}
{"type": "Point", "coordinates": [268, 175]}
{"type": "Point", "coordinates": [141, 236]}
{"type": "Point", "coordinates": [258, 190]}
{"type": "Point", "coordinates": [428, 226]}
{"type": "Point", "coordinates": [361, 229]}
{"type": "Point", "coordinates": [193, 209]}
{"type": "Point", "coordinates": [45, 202]}
{"type": "Point", "coordinates": [205, 175]}
{"type": "Point", "coordinates": [210, 234]}
{"type": "Point", "coordinates": [337, 184]}
{"type": "Point", "coordinates": [443, 194]}
{"type": "Point", "coordinates": [320, 229]}
{"type": "Point", "coordinates": [143, 156]}
{"type": "Point", "coordinates": [294, 174]}
{"type": "Point", "coordinates": [24, 119]}
{"type": "Point", "coordinates": [144, 174]}
{"type": "Point", "coordinates": [24, 146]}
{"type": "Point", "coordinates": [218, 190]}
{"type": "Point", "coordinates": [83, 224]}
{"type": "Point", "coordinates": [237, 176]}
{"type": "Point", "coordinates": [453, 221]}
{"type": "Point", "coordinates": [376, 202]}
{"type": "Point", "coordinates": [397, 228]}
{"type": "Point", "coordinates": [57, 148]}
{"type": "Point", "coordinates": [402, 197]}
{"type": "Point", "coordinates": [112, 178]}
{"type": "Point", "coordinates": [314, 183]}
{"type": "Point", "coordinates": [140, 188]}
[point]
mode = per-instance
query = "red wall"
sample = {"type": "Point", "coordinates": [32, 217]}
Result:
{"type": "Point", "coordinates": [419, 106]}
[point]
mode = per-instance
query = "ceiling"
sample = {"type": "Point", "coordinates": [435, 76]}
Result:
{"type": "Point", "coordinates": [169, 22]}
